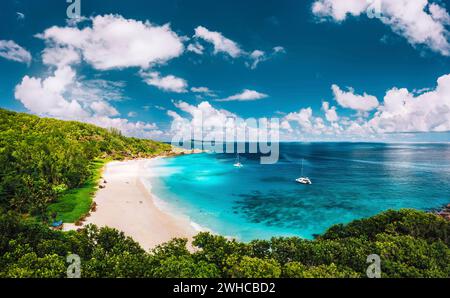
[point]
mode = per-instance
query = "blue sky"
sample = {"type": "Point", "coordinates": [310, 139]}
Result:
{"type": "Point", "coordinates": [257, 59]}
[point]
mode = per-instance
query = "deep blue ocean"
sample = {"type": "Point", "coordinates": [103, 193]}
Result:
{"type": "Point", "coordinates": [350, 181]}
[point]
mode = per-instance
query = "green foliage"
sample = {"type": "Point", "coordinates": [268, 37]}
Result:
{"type": "Point", "coordinates": [298, 270]}
{"type": "Point", "coordinates": [404, 222]}
{"type": "Point", "coordinates": [184, 267]}
{"type": "Point", "coordinates": [30, 249]}
{"type": "Point", "coordinates": [249, 267]}
{"type": "Point", "coordinates": [31, 266]}
{"type": "Point", "coordinates": [41, 158]}
{"type": "Point", "coordinates": [75, 203]}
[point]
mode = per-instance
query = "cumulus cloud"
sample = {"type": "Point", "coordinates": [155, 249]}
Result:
{"type": "Point", "coordinates": [257, 56]}
{"type": "Point", "coordinates": [46, 97]}
{"type": "Point", "coordinates": [330, 112]}
{"type": "Point", "coordinates": [168, 83]}
{"type": "Point", "coordinates": [221, 43]}
{"type": "Point", "coordinates": [203, 121]}
{"type": "Point", "coordinates": [115, 42]}
{"type": "Point", "coordinates": [60, 56]}
{"type": "Point", "coordinates": [421, 22]}
{"type": "Point", "coordinates": [64, 96]}
{"type": "Point", "coordinates": [348, 99]}
{"type": "Point", "coordinates": [339, 10]}
{"type": "Point", "coordinates": [303, 118]}
{"type": "Point", "coordinates": [305, 125]}
{"type": "Point", "coordinates": [401, 111]}
{"type": "Point", "coordinates": [245, 95]}
{"type": "Point", "coordinates": [102, 108]}
{"type": "Point", "coordinates": [12, 51]}
{"type": "Point", "coordinates": [404, 111]}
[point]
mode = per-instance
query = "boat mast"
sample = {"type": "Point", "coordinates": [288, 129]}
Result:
{"type": "Point", "coordinates": [302, 167]}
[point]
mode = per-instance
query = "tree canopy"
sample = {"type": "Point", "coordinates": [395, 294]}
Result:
{"type": "Point", "coordinates": [30, 249]}
{"type": "Point", "coordinates": [40, 158]}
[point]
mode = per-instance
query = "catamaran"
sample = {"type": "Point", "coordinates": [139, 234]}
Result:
{"type": "Point", "coordinates": [238, 163]}
{"type": "Point", "coordinates": [302, 179]}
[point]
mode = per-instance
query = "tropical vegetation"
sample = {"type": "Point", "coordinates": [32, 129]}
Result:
{"type": "Point", "coordinates": [45, 160]}
{"type": "Point", "coordinates": [52, 166]}
{"type": "Point", "coordinates": [410, 244]}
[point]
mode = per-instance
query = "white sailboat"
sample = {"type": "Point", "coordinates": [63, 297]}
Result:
{"type": "Point", "coordinates": [238, 163]}
{"type": "Point", "coordinates": [302, 179]}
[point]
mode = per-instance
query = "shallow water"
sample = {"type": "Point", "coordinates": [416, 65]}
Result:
{"type": "Point", "coordinates": [350, 181]}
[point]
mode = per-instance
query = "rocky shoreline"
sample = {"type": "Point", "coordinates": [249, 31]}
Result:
{"type": "Point", "coordinates": [444, 212]}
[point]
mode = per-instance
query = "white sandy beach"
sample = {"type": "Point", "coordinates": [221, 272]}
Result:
{"type": "Point", "coordinates": [127, 205]}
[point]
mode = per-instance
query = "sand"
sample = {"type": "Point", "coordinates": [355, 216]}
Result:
{"type": "Point", "coordinates": [127, 205]}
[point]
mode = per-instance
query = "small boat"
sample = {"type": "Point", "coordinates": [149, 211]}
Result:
{"type": "Point", "coordinates": [57, 225]}
{"type": "Point", "coordinates": [238, 163]}
{"type": "Point", "coordinates": [302, 179]}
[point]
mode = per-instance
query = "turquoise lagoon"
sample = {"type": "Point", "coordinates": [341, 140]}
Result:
{"type": "Point", "coordinates": [350, 181]}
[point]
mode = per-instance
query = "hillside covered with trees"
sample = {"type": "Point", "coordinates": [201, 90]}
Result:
{"type": "Point", "coordinates": [410, 244]}
{"type": "Point", "coordinates": [41, 158]}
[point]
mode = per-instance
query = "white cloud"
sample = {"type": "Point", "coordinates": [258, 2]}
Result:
{"type": "Point", "coordinates": [12, 51]}
{"type": "Point", "coordinates": [46, 97]}
{"type": "Point", "coordinates": [60, 56]}
{"type": "Point", "coordinates": [401, 111]}
{"type": "Point", "coordinates": [132, 114]}
{"type": "Point", "coordinates": [361, 103]}
{"type": "Point", "coordinates": [203, 90]}
{"type": "Point", "coordinates": [116, 42]}
{"type": "Point", "coordinates": [439, 13]}
{"type": "Point", "coordinates": [62, 96]}
{"type": "Point", "coordinates": [404, 111]}
{"type": "Point", "coordinates": [196, 48]}
{"type": "Point", "coordinates": [257, 56]}
{"type": "Point", "coordinates": [209, 123]}
{"type": "Point", "coordinates": [200, 89]}
{"type": "Point", "coordinates": [421, 22]}
{"type": "Point", "coordinates": [233, 49]}
{"type": "Point", "coordinates": [168, 83]}
{"type": "Point", "coordinates": [102, 108]}
{"type": "Point", "coordinates": [305, 125]}
{"type": "Point", "coordinates": [128, 128]}
{"type": "Point", "coordinates": [221, 43]}
{"type": "Point", "coordinates": [330, 113]}
{"type": "Point", "coordinates": [303, 118]}
{"type": "Point", "coordinates": [245, 95]}
{"type": "Point", "coordinates": [339, 10]}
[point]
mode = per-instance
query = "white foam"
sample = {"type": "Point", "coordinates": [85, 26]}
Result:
{"type": "Point", "coordinates": [168, 208]}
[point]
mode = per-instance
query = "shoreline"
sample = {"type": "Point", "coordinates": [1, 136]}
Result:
{"type": "Point", "coordinates": [125, 203]}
